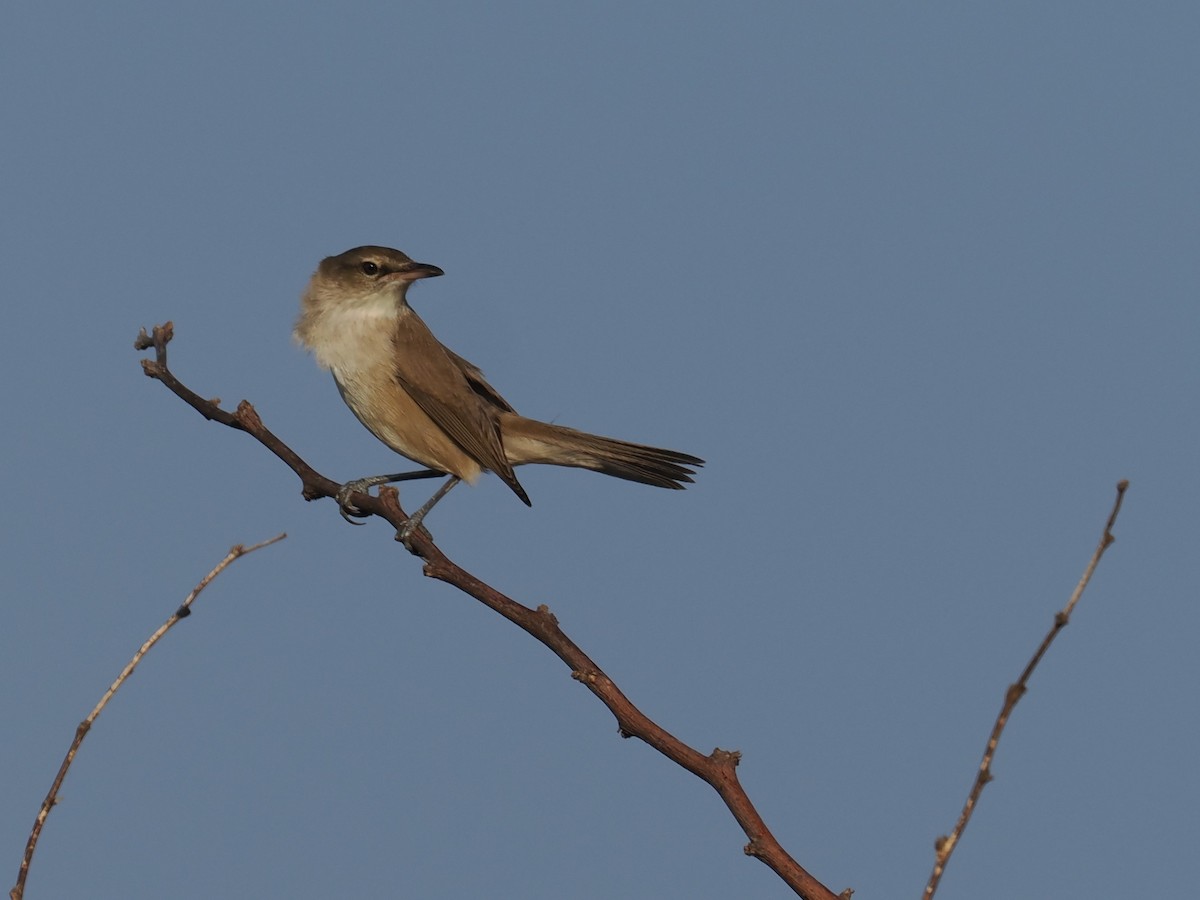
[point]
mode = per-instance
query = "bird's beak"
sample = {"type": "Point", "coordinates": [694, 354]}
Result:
{"type": "Point", "coordinates": [413, 271]}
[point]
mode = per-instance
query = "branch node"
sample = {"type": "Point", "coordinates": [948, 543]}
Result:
{"type": "Point", "coordinates": [433, 568]}
{"type": "Point", "coordinates": [183, 612]}
{"type": "Point", "coordinates": [544, 611]}
{"type": "Point", "coordinates": [247, 416]}
{"type": "Point", "coordinates": [726, 758]}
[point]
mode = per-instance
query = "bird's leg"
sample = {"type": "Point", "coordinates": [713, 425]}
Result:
{"type": "Point", "coordinates": [364, 485]}
{"type": "Point", "coordinates": [414, 521]}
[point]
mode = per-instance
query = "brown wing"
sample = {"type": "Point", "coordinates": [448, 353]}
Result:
{"type": "Point", "coordinates": [479, 385]}
{"type": "Point", "coordinates": [439, 383]}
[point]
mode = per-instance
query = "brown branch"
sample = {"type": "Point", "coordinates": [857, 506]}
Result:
{"type": "Point", "coordinates": [184, 610]}
{"type": "Point", "coordinates": [718, 768]}
{"type": "Point", "coordinates": [944, 846]}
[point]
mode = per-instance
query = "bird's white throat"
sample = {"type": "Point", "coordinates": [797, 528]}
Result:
{"type": "Point", "coordinates": [349, 335]}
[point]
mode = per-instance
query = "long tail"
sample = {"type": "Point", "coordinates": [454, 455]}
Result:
{"type": "Point", "coordinates": [530, 441]}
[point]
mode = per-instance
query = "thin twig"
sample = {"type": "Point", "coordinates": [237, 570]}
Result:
{"type": "Point", "coordinates": [945, 845]}
{"type": "Point", "coordinates": [184, 610]}
{"type": "Point", "coordinates": [718, 768]}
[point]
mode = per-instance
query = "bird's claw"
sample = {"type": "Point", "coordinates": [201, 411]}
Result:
{"type": "Point", "coordinates": [405, 532]}
{"type": "Point", "coordinates": [347, 509]}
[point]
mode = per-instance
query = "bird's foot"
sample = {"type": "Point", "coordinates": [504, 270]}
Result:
{"type": "Point", "coordinates": [364, 485]}
{"type": "Point", "coordinates": [408, 529]}
{"type": "Point", "coordinates": [360, 486]}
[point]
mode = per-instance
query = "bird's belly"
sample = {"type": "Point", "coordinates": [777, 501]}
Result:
{"type": "Point", "coordinates": [390, 414]}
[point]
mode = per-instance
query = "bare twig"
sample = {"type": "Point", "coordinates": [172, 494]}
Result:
{"type": "Point", "coordinates": [945, 845]}
{"type": "Point", "coordinates": [184, 610]}
{"type": "Point", "coordinates": [718, 768]}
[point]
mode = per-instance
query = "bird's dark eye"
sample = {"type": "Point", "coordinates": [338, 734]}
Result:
{"type": "Point", "coordinates": [370, 268]}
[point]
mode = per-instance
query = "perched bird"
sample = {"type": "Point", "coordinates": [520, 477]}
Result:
{"type": "Point", "coordinates": [428, 403]}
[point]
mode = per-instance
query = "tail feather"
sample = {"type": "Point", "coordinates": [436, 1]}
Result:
{"type": "Point", "coordinates": [530, 441]}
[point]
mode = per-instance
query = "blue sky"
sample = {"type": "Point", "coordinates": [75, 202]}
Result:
{"type": "Point", "coordinates": [919, 282]}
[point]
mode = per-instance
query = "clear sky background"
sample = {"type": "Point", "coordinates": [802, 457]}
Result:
{"type": "Point", "coordinates": [918, 281]}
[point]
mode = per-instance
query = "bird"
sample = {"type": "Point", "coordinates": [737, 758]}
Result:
{"type": "Point", "coordinates": [427, 403]}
